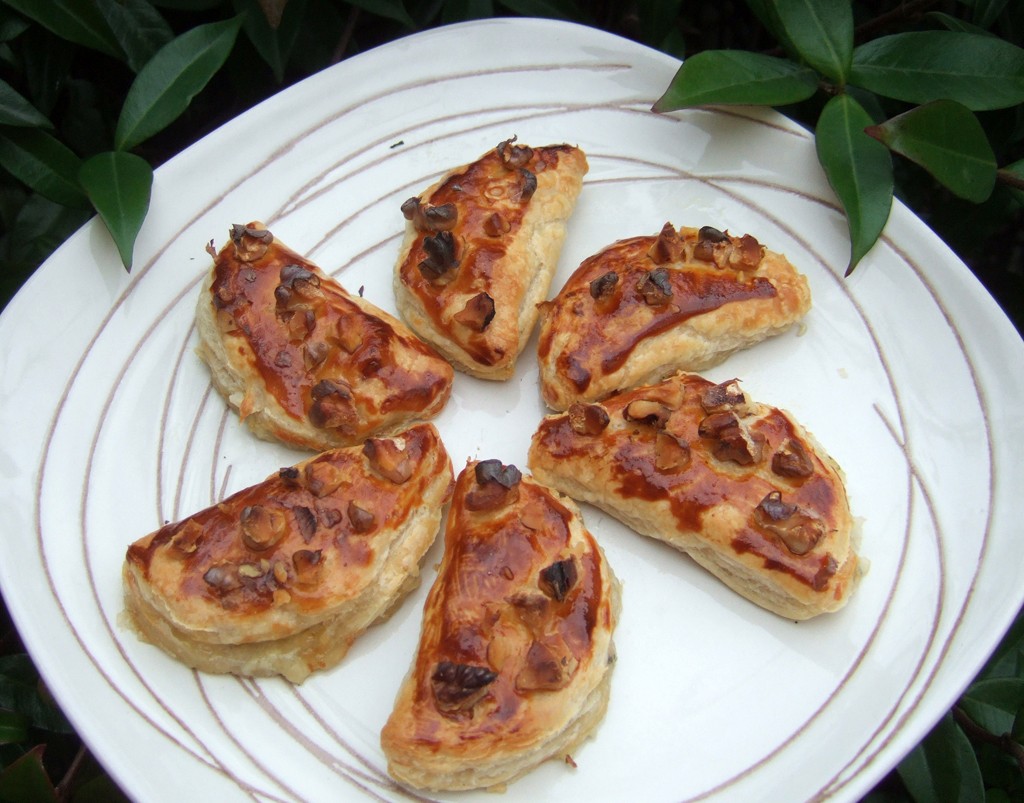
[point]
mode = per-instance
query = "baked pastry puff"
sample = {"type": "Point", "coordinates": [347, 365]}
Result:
{"type": "Point", "coordinates": [515, 655]}
{"type": "Point", "coordinates": [480, 249]}
{"type": "Point", "coordinates": [301, 359]}
{"type": "Point", "coordinates": [645, 307]}
{"type": "Point", "coordinates": [282, 577]}
{"type": "Point", "coordinates": [737, 485]}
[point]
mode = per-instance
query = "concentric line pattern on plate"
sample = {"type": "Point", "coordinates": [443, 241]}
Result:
{"type": "Point", "coordinates": [134, 437]}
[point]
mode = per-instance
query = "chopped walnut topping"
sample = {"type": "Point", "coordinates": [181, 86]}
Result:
{"type": "Point", "coordinates": [497, 485]}
{"type": "Point", "coordinates": [797, 529]}
{"type": "Point", "coordinates": [322, 478]}
{"type": "Point", "coordinates": [670, 453]}
{"type": "Point", "coordinates": [514, 156]}
{"type": "Point", "coordinates": [531, 608]}
{"type": "Point", "coordinates": [300, 323]}
{"type": "Point", "coordinates": [251, 242]}
{"type": "Point", "coordinates": [792, 460]}
{"type": "Point", "coordinates": [496, 225]}
{"type": "Point", "coordinates": [458, 687]}
{"type": "Point", "coordinates": [707, 237]}
{"type": "Point", "coordinates": [656, 287]}
{"type": "Point", "coordinates": [289, 475]}
{"type": "Point", "coordinates": [305, 520]}
{"type": "Point", "coordinates": [746, 254]}
{"type": "Point", "coordinates": [549, 665]}
{"type": "Point", "coordinates": [603, 286]}
{"type": "Point", "coordinates": [732, 441]}
{"type": "Point", "coordinates": [221, 578]}
{"type": "Point", "coordinates": [587, 419]}
{"type": "Point", "coordinates": [332, 406]}
{"type": "Point", "coordinates": [308, 565]}
{"type": "Point", "coordinates": [721, 396]}
{"type": "Point", "coordinates": [477, 314]}
{"type": "Point", "coordinates": [668, 247]}
{"type": "Point", "coordinates": [646, 411]}
{"type": "Point", "coordinates": [529, 185]}
{"type": "Point", "coordinates": [262, 526]}
{"type": "Point", "coordinates": [187, 539]}
{"type": "Point", "coordinates": [430, 218]}
{"type": "Point", "coordinates": [297, 284]}
{"type": "Point", "coordinates": [558, 578]}
{"type": "Point", "coordinates": [388, 459]}
{"type": "Point", "coordinates": [442, 257]}
{"type": "Point", "coordinates": [250, 570]}
{"type": "Point", "coordinates": [314, 354]}
{"type": "Point", "coordinates": [349, 333]}
{"type": "Point", "coordinates": [362, 519]}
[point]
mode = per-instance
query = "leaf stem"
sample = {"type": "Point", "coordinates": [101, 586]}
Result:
{"type": "Point", "coordinates": [976, 733]}
{"type": "Point", "coordinates": [904, 11]}
{"type": "Point", "coordinates": [63, 789]}
{"type": "Point", "coordinates": [1008, 178]}
{"type": "Point", "coordinates": [346, 35]}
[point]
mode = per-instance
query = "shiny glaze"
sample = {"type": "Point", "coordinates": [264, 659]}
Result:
{"type": "Point", "coordinates": [605, 331]}
{"type": "Point", "coordinates": [490, 558]}
{"type": "Point", "coordinates": [346, 551]}
{"type": "Point", "coordinates": [406, 374]}
{"type": "Point", "coordinates": [693, 492]}
{"type": "Point", "coordinates": [478, 191]}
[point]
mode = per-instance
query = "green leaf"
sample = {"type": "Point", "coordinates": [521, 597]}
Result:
{"type": "Point", "coordinates": [979, 71]}
{"type": "Point", "coordinates": [767, 12]}
{"type": "Point", "coordinates": [1008, 658]}
{"type": "Point", "coordinates": [13, 727]}
{"type": "Point", "coordinates": [119, 185]}
{"type": "Point", "coordinates": [951, 23]}
{"type": "Point", "coordinates": [859, 170]}
{"type": "Point", "coordinates": [993, 704]}
{"type": "Point", "coordinates": [138, 27]}
{"type": "Point", "coordinates": [21, 691]}
{"type": "Point", "coordinates": [947, 140]}
{"type": "Point", "coordinates": [43, 164]}
{"type": "Point", "coordinates": [820, 32]}
{"type": "Point", "coordinates": [72, 20]}
{"type": "Point", "coordinates": [550, 9]}
{"type": "Point", "coordinates": [39, 228]}
{"type": "Point", "coordinates": [164, 88]}
{"type": "Point", "coordinates": [736, 77]}
{"type": "Point", "coordinates": [984, 13]}
{"type": "Point", "coordinates": [389, 9]}
{"type": "Point", "coordinates": [16, 111]}
{"type": "Point", "coordinates": [26, 779]}
{"type": "Point", "coordinates": [657, 19]}
{"type": "Point", "coordinates": [273, 43]}
{"type": "Point", "coordinates": [460, 10]}
{"type": "Point", "coordinates": [943, 768]}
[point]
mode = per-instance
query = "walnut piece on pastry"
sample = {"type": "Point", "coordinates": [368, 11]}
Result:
{"type": "Point", "coordinates": [646, 307]}
{"type": "Point", "coordinates": [739, 486]}
{"type": "Point", "coordinates": [481, 246]}
{"type": "Point", "coordinates": [282, 577]}
{"type": "Point", "coordinates": [515, 654]}
{"type": "Point", "coordinates": [301, 359]}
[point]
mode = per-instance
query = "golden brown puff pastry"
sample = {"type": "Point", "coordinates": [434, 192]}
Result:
{"type": "Point", "coordinates": [281, 578]}
{"type": "Point", "coordinates": [646, 307]}
{"type": "Point", "coordinates": [303, 360]}
{"type": "Point", "coordinates": [480, 249]}
{"type": "Point", "coordinates": [739, 486]}
{"type": "Point", "coordinates": [515, 654]}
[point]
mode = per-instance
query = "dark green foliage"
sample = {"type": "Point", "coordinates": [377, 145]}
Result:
{"type": "Point", "coordinates": [921, 99]}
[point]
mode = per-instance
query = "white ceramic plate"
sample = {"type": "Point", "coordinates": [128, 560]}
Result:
{"type": "Point", "coordinates": [907, 372]}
